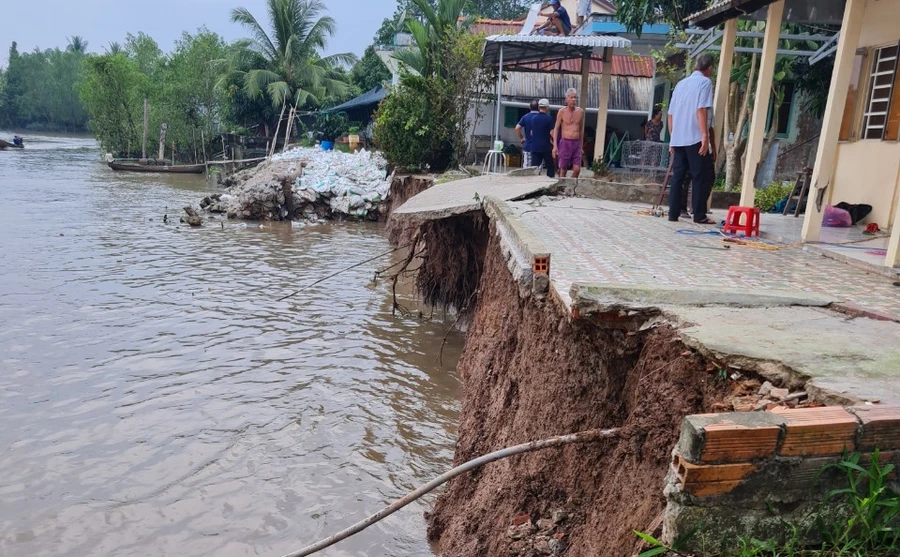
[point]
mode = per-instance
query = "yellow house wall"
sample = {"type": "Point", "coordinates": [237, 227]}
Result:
{"type": "Point", "coordinates": [867, 171]}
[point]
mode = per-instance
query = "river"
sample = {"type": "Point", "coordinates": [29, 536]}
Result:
{"type": "Point", "coordinates": [157, 399]}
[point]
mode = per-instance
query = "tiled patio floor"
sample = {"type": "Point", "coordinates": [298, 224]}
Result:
{"type": "Point", "coordinates": [870, 250]}
{"type": "Point", "coordinates": [595, 241]}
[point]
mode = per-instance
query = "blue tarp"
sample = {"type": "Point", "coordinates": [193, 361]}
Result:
{"type": "Point", "coordinates": [368, 98]}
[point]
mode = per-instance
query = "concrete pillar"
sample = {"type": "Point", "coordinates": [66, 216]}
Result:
{"type": "Point", "coordinates": [723, 78]}
{"type": "Point", "coordinates": [893, 254]}
{"type": "Point", "coordinates": [826, 154]}
{"type": "Point", "coordinates": [723, 81]}
{"type": "Point", "coordinates": [603, 105]}
{"type": "Point", "coordinates": [585, 84]}
{"type": "Point", "coordinates": [757, 133]}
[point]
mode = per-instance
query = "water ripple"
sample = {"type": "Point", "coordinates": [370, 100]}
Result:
{"type": "Point", "coordinates": [158, 399]}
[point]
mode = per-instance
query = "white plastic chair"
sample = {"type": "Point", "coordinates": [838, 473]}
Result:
{"type": "Point", "coordinates": [494, 163]}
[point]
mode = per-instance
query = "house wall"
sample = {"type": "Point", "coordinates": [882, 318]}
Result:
{"type": "Point", "coordinates": [866, 171]}
{"type": "Point", "coordinates": [619, 123]}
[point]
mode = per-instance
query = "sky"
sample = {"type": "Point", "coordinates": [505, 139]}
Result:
{"type": "Point", "coordinates": [47, 23]}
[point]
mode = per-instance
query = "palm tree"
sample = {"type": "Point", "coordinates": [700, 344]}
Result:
{"type": "Point", "coordinates": [114, 48]}
{"type": "Point", "coordinates": [77, 44]}
{"type": "Point", "coordinates": [288, 65]}
{"type": "Point", "coordinates": [430, 34]}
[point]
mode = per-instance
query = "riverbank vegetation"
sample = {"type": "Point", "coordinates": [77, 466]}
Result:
{"type": "Point", "coordinates": [205, 85]}
{"type": "Point", "coordinates": [423, 124]}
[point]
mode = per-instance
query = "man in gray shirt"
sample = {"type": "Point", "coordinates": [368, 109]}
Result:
{"type": "Point", "coordinates": [690, 145]}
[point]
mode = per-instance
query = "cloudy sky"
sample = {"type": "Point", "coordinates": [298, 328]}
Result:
{"type": "Point", "coordinates": [47, 23]}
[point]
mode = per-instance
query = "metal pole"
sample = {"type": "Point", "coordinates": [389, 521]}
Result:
{"type": "Point", "coordinates": [499, 93]}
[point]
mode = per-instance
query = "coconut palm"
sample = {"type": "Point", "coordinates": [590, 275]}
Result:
{"type": "Point", "coordinates": [77, 44]}
{"type": "Point", "coordinates": [429, 35]}
{"type": "Point", "coordinates": [288, 65]}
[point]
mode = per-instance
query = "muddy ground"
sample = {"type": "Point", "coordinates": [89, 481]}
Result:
{"type": "Point", "coordinates": [529, 373]}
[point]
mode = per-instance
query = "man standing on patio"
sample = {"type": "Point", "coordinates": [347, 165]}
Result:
{"type": "Point", "coordinates": [523, 132]}
{"type": "Point", "coordinates": [690, 144]}
{"type": "Point", "coordinates": [567, 136]}
{"type": "Point", "coordinates": [541, 141]}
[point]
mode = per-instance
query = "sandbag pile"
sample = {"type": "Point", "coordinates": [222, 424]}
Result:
{"type": "Point", "coordinates": [332, 185]}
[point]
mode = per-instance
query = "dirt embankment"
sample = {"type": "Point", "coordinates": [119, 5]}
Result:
{"type": "Point", "coordinates": [529, 373]}
{"type": "Point", "coordinates": [402, 189]}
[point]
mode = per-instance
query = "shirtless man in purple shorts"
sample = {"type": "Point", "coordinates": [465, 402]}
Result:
{"type": "Point", "coordinates": [567, 136]}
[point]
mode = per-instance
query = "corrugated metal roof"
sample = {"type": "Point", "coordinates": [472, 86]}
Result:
{"type": "Point", "coordinates": [583, 41]}
{"type": "Point", "coordinates": [719, 12]}
{"type": "Point", "coordinates": [634, 94]}
{"type": "Point", "coordinates": [622, 64]}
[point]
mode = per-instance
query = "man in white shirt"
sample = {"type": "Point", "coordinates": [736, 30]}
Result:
{"type": "Point", "coordinates": [690, 144]}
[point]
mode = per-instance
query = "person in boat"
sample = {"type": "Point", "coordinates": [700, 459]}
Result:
{"type": "Point", "coordinates": [18, 141]}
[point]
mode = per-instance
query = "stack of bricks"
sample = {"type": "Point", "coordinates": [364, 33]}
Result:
{"type": "Point", "coordinates": [734, 472]}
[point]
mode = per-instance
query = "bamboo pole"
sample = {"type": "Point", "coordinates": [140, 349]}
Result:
{"type": "Point", "coordinates": [277, 129]}
{"type": "Point", "coordinates": [146, 125]}
{"type": "Point", "coordinates": [203, 147]}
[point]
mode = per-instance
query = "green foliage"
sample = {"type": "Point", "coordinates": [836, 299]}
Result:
{"type": "Point", "coordinates": [497, 9]}
{"type": "Point", "coordinates": [288, 67]}
{"type": "Point", "coordinates": [331, 126]}
{"type": "Point", "coordinates": [415, 126]}
{"type": "Point", "coordinates": [38, 89]}
{"type": "Point", "coordinates": [635, 13]}
{"type": "Point", "coordinates": [767, 198]}
{"type": "Point", "coordinates": [814, 82]}
{"type": "Point", "coordinates": [369, 72]}
{"type": "Point", "coordinates": [423, 123]}
{"type": "Point", "coordinates": [862, 519]}
{"type": "Point", "coordinates": [874, 510]}
{"type": "Point", "coordinates": [111, 93]}
{"type": "Point", "coordinates": [430, 34]}
{"type": "Point", "coordinates": [180, 88]}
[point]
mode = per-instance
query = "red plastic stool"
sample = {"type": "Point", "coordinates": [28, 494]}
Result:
{"type": "Point", "coordinates": [750, 216]}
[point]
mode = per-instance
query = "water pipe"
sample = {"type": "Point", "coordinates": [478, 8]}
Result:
{"type": "Point", "coordinates": [590, 436]}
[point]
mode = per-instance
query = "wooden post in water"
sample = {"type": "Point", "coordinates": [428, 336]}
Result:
{"type": "Point", "coordinates": [146, 125]}
{"type": "Point", "coordinates": [194, 144]}
{"type": "Point", "coordinates": [203, 147]}
{"type": "Point", "coordinates": [163, 129]}
{"type": "Point", "coordinates": [277, 129]}
{"type": "Point", "coordinates": [173, 152]}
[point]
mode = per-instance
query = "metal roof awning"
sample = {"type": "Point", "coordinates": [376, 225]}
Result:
{"type": "Point", "coordinates": [720, 12]}
{"type": "Point", "coordinates": [538, 52]}
{"type": "Point", "coordinates": [368, 98]}
{"type": "Point", "coordinates": [823, 12]}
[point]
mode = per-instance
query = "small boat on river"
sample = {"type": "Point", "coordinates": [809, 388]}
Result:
{"type": "Point", "coordinates": [160, 168]}
{"type": "Point", "coordinates": [12, 145]}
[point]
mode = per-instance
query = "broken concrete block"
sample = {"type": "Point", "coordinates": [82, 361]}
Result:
{"type": "Point", "coordinates": [764, 390]}
{"type": "Point", "coordinates": [779, 394]}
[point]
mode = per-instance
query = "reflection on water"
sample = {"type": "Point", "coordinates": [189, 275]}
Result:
{"type": "Point", "coordinates": [158, 400]}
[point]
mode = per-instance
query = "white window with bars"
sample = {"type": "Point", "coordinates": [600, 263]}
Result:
{"type": "Point", "coordinates": [881, 88]}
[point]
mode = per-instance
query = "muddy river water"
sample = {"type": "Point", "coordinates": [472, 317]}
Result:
{"type": "Point", "coordinates": [157, 399]}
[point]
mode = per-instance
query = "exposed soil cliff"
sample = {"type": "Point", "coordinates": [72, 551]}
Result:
{"type": "Point", "coordinates": [530, 373]}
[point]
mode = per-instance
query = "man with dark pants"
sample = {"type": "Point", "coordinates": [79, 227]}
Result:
{"type": "Point", "coordinates": [690, 145]}
{"type": "Point", "coordinates": [523, 131]}
{"type": "Point", "coordinates": [542, 125]}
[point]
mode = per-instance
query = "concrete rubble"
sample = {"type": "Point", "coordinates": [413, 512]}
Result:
{"type": "Point", "coordinates": [310, 184]}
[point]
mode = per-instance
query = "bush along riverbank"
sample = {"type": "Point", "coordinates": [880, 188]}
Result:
{"type": "Point", "coordinates": [308, 184]}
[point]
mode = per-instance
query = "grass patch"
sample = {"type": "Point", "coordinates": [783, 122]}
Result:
{"type": "Point", "coordinates": [865, 524]}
